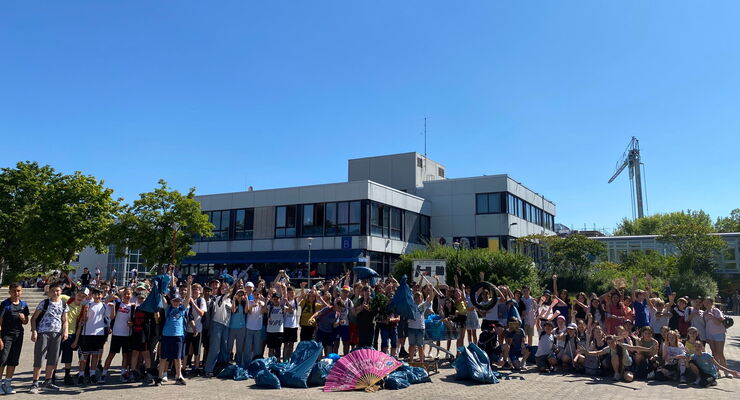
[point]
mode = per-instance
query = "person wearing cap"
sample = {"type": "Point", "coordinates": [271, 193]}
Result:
{"type": "Point", "coordinates": [568, 354]}
{"type": "Point", "coordinates": [290, 323]}
{"type": "Point", "coordinates": [238, 322]}
{"type": "Point", "coordinates": [142, 328]}
{"type": "Point", "coordinates": [343, 328]}
{"type": "Point", "coordinates": [514, 349]}
{"type": "Point", "coordinates": [172, 343]}
{"type": "Point", "coordinates": [275, 312]}
{"type": "Point", "coordinates": [120, 335]}
{"type": "Point", "coordinates": [95, 317]}
{"type": "Point", "coordinates": [560, 332]}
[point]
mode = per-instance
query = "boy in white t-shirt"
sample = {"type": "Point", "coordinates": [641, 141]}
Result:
{"type": "Point", "coordinates": [121, 335]}
{"type": "Point", "coordinates": [95, 315]}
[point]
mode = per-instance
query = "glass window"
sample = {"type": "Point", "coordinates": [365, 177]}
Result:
{"type": "Point", "coordinates": [355, 212]}
{"type": "Point", "coordinates": [243, 224]}
{"type": "Point", "coordinates": [490, 203]}
{"type": "Point", "coordinates": [376, 219]}
{"type": "Point", "coordinates": [285, 221]}
{"type": "Point", "coordinates": [313, 220]}
{"type": "Point", "coordinates": [396, 224]}
{"type": "Point", "coordinates": [386, 221]}
{"type": "Point", "coordinates": [330, 228]}
{"type": "Point", "coordinates": [221, 222]}
{"type": "Point", "coordinates": [481, 203]}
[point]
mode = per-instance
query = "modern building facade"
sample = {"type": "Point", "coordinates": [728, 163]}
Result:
{"type": "Point", "coordinates": [390, 205]}
{"type": "Point", "coordinates": [618, 247]}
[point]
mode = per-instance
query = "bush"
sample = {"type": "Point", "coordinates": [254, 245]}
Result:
{"type": "Point", "coordinates": [500, 268]}
{"type": "Point", "coordinates": [694, 285]}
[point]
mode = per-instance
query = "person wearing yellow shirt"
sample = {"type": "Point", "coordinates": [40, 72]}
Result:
{"type": "Point", "coordinates": [74, 305]}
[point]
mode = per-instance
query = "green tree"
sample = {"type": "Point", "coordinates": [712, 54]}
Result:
{"type": "Point", "coordinates": [650, 262]}
{"type": "Point", "coordinates": [572, 255]}
{"type": "Point", "coordinates": [657, 223]}
{"type": "Point", "coordinates": [729, 224]}
{"type": "Point", "coordinates": [155, 219]}
{"type": "Point", "coordinates": [696, 247]}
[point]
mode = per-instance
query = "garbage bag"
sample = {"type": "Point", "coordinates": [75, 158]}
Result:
{"type": "Point", "coordinates": [364, 273]}
{"type": "Point", "coordinates": [153, 302]}
{"type": "Point", "coordinates": [333, 356]}
{"type": "Point", "coordinates": [260, 364]}
{"type": "Point", "coordinates": [402, 303]}
{"type": "Point", "coordinates": [301, 364]}
{"type": "Point", "coordinates": [278, 368]}
{"type": "Point", "coordinates": [228, 372]}
{"type": "Point", "coordinates": [473, 364]}
{"type": "Point", "coordinates": [414, 374]}
{"type": "Point", "coordinates": [267, 379]}
{"type": "Point", "coordinates": [241, 374]}
{"type": "Point", "coordinates": [319, 372]}
{"type": "Point", "coordinates": [396, 380]}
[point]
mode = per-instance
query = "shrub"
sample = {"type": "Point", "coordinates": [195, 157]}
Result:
{"type": "Point", "coordinates": [694, 285]}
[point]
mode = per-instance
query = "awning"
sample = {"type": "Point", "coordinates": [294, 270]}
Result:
{"type": "Point", "coordinates": [292, 256]}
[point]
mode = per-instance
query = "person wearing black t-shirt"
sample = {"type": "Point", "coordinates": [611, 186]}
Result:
{"type": "Point", "coordinates": [13, 315]}
{"type": "Point", "coordinates": [85, 277]}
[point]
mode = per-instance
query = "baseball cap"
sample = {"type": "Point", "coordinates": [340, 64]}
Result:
{"type": "Point", "coordinates": [561, 317]}
{"type": "Point", "coordinates": [572, 325]}
{"type": "Point", "coordinates": [177, 297]}
{"type": "Point", "coordinates": [546, 293]}
{"type": "Point", "coordinates": [345, 288]}
{"type": "Point", "coordinates": [276, 295]}
{"type": "Point", "coordinates": [249, 284]}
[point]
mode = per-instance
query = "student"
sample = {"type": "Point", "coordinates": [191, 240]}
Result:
{"type": "Point", "coordinates": [365, 319]}
{"type": "Point", "coordinates": [48, 330]}
{"type": "Point", "coordinates": [692, 336]}
{"type": "Point", "coordinates": [74, 306]}
{"type": "Point", "coordinates": [343, 328]}
{"type": "Point", "coordinates": [255, 316]}
{"type": "Point", "coordinates": [194, 328]}
{"type": "Point", "coordinates": [327, 319]}
{"type": "Point", "coordinates": [715, 331]}
{"type": "Point", "coordinates": [695, 316]}
{"type": "Point", "coordinates": [290, 323]}
{"type": "Point", "coordinates": [596, 365]}
{"type": "Point", "coordinates": [529, 316]}
{"type": "Point", "coordinates": [569, 354]}
{"type": "Point", "coordinates": [85, 278]}
{"type": "Point", "coordinates": [13, 315]}
{"type": "Point", "coordinates": [142, 330]}
{"type": "Point", "coordinates": [705, 367]}
{"type": "Point", "coordinates": [238, 323]}
{"type": "Point", "coordinates": [416, 326]}
{"type": "Point", "coordinates": [515, 348]}
{"type": "Point", "coordinates": [219, 315]}
{"type": "Point", "coordinates": [309, 305]}
{"type": "Point", "coordinates": [545, 354]}
{"type": "Point", "coordinates": [121, 335]}
{"type": "Point", "coordinates": [95, 317]}
{"type": "Point", "coordinates": [275, 311]}
{"type": "Point", "coordinates": [646, 362]}
{"type": "Point", "coordinates": [173, 335]}
{"type": "Point", "coordinates": [639, 303]}
{"type": "Point", "coordinates": [659, 316]}
{"type": "Point", "coordinates": [619, 357]}
{"type": "Point", "coordinates": [674, 357]}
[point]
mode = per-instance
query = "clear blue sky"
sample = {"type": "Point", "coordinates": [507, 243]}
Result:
{"type": "Point", "coordinates": [221, 95]}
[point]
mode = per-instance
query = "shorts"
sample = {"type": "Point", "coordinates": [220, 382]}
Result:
{"type": "Point", "coordinates": [138, 343]}
{"type": "Point", "coordinates": [67, 350]}
{"type": "Point", "coordinates": [172, 347]}
{"type": "Point", "coordinates": [388, 333]}
{"type": "Point", "coordinates": [192, 341]}
{"type": "Point", "coordinates": [326, 338]}
{"type": "Point", "coordinates": [342, 332]}
{"type": "Point", "coordinates": [290, 335]}
{"type": "Point", "coordinates": [717, 337]}
{"type": "Point", "coordinates": [487, 324]}
{"type": "Point", "coordinates": [92, 344]}
{"type": "Point", "coordinates": [354, 334]}
{"type": "Point", "coordinates": [274, 340]}
{"type": "Point", "coordinates": [416, 337]}
{"type": "Point", "coordinates": [542, 362]}
{"type": "Point", "coordinates": [529, 330]}
{"type": "Point", "coordinates": [473, 322]}
{"type": "Point", "coordinates": [403, 328]}
{"type": "Point", "coordinates": [11, 353]}
{"type": "Point", "coordinates": [120, 344]}
{"type": "Point", "coordinates": [307, 333]}
{"type": "Point", "coordinates": [47, 344]}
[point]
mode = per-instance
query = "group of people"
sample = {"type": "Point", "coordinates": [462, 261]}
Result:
{"type": "Point", "coordinates": [195, 330]}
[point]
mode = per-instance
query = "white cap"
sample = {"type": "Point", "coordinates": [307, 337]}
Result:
{"type": "Point", "coordinates": [250, 284]}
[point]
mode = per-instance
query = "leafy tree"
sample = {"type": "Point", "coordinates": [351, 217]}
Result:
{"type": "Point", "coordinates": [650, 262]}
{"type": "Point", "coordinates": [572, 255]}
{"type": "Point", "coordinates": [697, 248]}
{"type": "Point", "coordinates": [151, 223]}
{"type": "Point", "coordinates": [657, 223]}
{"type": "Point", "coordinates": [729, 224]}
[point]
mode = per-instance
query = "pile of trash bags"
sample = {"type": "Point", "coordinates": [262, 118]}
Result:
{"type": "Point", "coordinates": [405, 376]}
{"type": "Point", "coordinates": [300, 371]}
{"type": "Point", "coordinates": [473, 364]}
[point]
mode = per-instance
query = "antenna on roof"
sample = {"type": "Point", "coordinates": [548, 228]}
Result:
{"type": "Point", "coordinates": [425, 149]}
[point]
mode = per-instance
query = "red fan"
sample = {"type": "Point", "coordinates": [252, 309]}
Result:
{"type": "Point", "coordinates": [360, 369]}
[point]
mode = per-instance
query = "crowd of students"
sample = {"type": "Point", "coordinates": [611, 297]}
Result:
{"type": "Point", "coordinates": [201, 328]}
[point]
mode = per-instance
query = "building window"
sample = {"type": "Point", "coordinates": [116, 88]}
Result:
{"type": "Point", "coordinates": [396, 226]}
{"type": "Point", "coordinates": [441, 172]}
{"type": "Point", "coordinates": [343, 218]}
{"type": "Point", "coordinates": [221, 223]}
{"type": "Point", "coordinates": [425, 233]}
{"type": "Point", "coordinates": [355, 218]}
{"type": "Point", "coordinates": [490, 203]}
{"type": "Point", "coordinates": [285, 221]}
{"type": "Point", "coordinates": [243, 223]}
{"type": "Point", "coordinates": [419, 162]}
{"type": "Point", "coordinates": [313, 220]}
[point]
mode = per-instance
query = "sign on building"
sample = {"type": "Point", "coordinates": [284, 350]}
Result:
{"type": "Point", "coordinates": [430, 268]}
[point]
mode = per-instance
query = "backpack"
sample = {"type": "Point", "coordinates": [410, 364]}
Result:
{"type": "Point", "coordinates": [7, 304]}
{"type": "Point", "coordinates": [45, 307]}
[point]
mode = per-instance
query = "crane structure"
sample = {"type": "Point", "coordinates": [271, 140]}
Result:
{"type": "Point", "coordinates": [631, 159]}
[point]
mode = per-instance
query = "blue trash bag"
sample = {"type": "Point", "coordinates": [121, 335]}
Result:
{"type": "Point", "coordinates": [228, 372]}
{"type": "Point", "coordinates": [319, 372]}
{"type": "Point", "coordinates": [301, 364]}
{"type": "Point", "coordinates": [278, 368]}
{"type": "Point", "coordinates": [365, 273]}
{"type": "Point", "coordinates": [260, 364]}
{"type": "Point", "coordinates": [267, 379]}
{"type": "Point", "coordinates": [402, 303]}
{"type": "Point", "coordinates": [473, 364]}
{"type": "Point", "coordinates": [414, 374]}
{"type": "Point", "coordinates": [153, 302]}
{"type": "Point", "coordinates": [435, 330]}
{"type": "Point", "coordinates": [334, 356]}
{"type": "Point", "coordinates": [396, 380]}
{"type": "Point", "coordinates": [241, 374]}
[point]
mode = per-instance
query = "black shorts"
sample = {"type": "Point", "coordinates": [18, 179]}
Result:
{"type": "Point", "coordinates": [192, 340]}
{"type": "Point", "coordinates": [403, 328]}
{"type": "Point", "coordinates": [290, 335]}
{"type": "Point", "coordinates": [274, 340]}
{"type": "Point", "coordinates": [92, 344]}
{"type": "Point", "coordinates": [67, 350]}
{"type": "Point", "coordinates": [120, 344]}
{"type": "Point", "coordinates": [11, 353]}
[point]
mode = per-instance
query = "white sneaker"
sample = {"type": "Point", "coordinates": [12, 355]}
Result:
{"type": "Point", "coordinates": [164, 378]}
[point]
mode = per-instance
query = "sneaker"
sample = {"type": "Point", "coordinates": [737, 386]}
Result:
{"type": "Point", "coordinates": [164, 379]}
{"type": "Point", "coordinates": [93, 379]}
{"type": "Point", "coordinates": [209, 375]}
{"type": "Point", "coordinates": [7, 388]}
{"type": "Point", "coordinates": [68, 380]}
{"type": "Point", "coordinates": [682, 380]}
{"type": "Point", "coordinates": [80, 379]}
{"type": "Point", "coordinates": [34, 388]}
{"type": "Point", "coordinates": [697, 381]}
{"type": "Point", "coordinates": [650, 375]}
{"type": "Point", "coordinates": [49, 385]}
{"type": "Point", "coordinates": [148, 379]}
{"type": "Point", "coordinates": [157, 381]}
{"type": "Point", "coordinates": [101, 380]}
{"type": "Point", "coordinates": [180, 381]}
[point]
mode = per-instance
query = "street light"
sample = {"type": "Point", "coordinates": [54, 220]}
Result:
{"type": "Point", "coordinates": [310, 239]}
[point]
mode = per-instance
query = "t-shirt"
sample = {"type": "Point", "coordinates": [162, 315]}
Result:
{"type": "Point", "coordinates": [544, 347]}
{"type": "Point", "coordinates": [120, 324]}
{"type": "Point", "coordinates": [344, 315]}
{"type": "Point", "coordinates": [657, 322]}
{"type": "Point", "coordinates": [275, 318]}
{"type": "Point", "coordinates": [517, 338]}
{"type": "Point", "coordinates": [530, 310]}
{"type": "Point", "coordinates": [85, 279]}
{"type": "Point", "coordinates": [98, 315]}
{"type": "Point", "coordinates": [642, 315]}
{"type": "Point", "coordinates": [10, 314]}
{"type": "Point", "coordinates": [705, 364]}
{"type": "Point", "coordinates": [290, 319]}
{"type": "Point", "coordinates": [255, 317]}
{"type": "Point", "coordinates": [193, 315]}
{"type": "Point", "coordinates": [714, 325]}
{"type": "Point", "coordinates": [174, 323]}
{"type": "Point", "coordinates": [502, 313]}
{"type": "Point", "coordinates": [307, 311]}
{"type": "Point", "coordinates": [221, 310]}
{"type": "Point", "coordinates": [72, 316]}
{"type": "Point", "coordinates": [418, 321]}
{"type": "Point", "coordinates": [325, 320]}
{"type": "Point", "coordinates": [52, 320]}
{"type": "Point", "coordinates": [238, 318]}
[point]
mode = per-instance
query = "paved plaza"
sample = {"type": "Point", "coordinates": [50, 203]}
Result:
{"type": "Point", "coordinates": [527, 385]}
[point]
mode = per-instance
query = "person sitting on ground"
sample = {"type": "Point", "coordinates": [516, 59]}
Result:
{"type": "Point", "coordinates": [705, 367]}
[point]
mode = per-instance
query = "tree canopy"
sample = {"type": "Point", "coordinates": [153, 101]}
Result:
{"type": "Point", "coordinates": [729, 224]}
{"type": "Point", "coordinates": [656, 224]}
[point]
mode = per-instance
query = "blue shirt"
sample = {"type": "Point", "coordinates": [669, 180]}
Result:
{"type": "Point", "coordinates": [174, 323]}
{"type": "Point", "coordinates": [238, 319]}
{"type": "Point", "coordinates": [705, 364]}
{"type": "Point", "coordinates": [642, 314]}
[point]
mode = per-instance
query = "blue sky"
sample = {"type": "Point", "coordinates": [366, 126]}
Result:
{"type": "Point", "coordinates": [221, 95]}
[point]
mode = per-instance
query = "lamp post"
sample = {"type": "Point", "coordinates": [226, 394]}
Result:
{"type": "Point", "coordinates": [310, 239]}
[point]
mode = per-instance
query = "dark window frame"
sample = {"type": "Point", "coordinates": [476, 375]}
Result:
{"type": "Point", "coordinates": [247, 232]}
